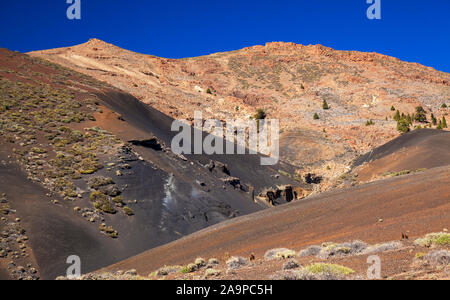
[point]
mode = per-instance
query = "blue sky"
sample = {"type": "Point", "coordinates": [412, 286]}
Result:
{"type": "Point", "coordinates": [412, 30]}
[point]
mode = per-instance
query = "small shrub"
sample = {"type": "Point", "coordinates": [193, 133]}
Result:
{"type": "Point", "coordinates": [164, 271]}
{"type": "Point", "coordinates": [310, 251]}
{"type": "Point", "coordinates": [97, 196]}
{"type": "Point", "coordinates": [118, 200]}
{"type": "Point", "coordinates": [286, 254]}
{"type": "Point", "coordinates": [420, 255]}
{"type": "Point", "coordinates": [291, 264]}
{"type": "Point", "coordinates": [89, 166]}
{"type": "Point", "coordinates": [211, 273]}
{"type": "Point", "coordinates": [438, 258]}
{"type": "Point", "coordinates": [322, 268]}
{"type": "Point", "coordinates": [128, 211]}
{"type": "Point", "coordinates": [200, 262]}
{"type": "Point", "coordinates": [236, 262]}
{"type": "Point", "coordinates": [213, 262]}
{"type": "Point", "coordinates": [316, 116]}
{"type": "Point", "coordinates": [99, 181]}
{"type": "Point", "coordinates": [279, 253]}
{"type": "Point", "coordinates": [108, 230]}
{"type": "Point", "coordinates": [38, 150]}
{"type": "Point", "coordinates": [189, 268]}
{"type": "Point", "coordinates": [433, 239]}
{"type": "Point", "coordinates": [383, 247]}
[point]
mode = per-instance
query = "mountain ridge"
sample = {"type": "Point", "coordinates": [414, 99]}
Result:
{"type": "Point", "coordinates": [290, 82]}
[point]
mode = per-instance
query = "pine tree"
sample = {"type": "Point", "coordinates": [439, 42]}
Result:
{"type": "Point", "coordinates": [325, 105]}
{"type": "Point", "coordinates": [421, 115]}
{"type": "Point", "coordinates": [409, 119]}
{"type": "Point", "coordinates": [403, 126]}
{"type": "Point", "coordinates": [316, 116]}
{"type": "Point", "coordinates": [444, 122]}
{"type": "Point", "coordinates": [260, 114]}
{"type": "Point", "coordinates": [433, 119]}
{"type": "Point", "coordinates": [392, 108]}
{"type": "Point", "coordinates": [397, 116]}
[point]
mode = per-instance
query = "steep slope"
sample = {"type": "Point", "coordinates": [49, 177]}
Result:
{"type": "Point", "coordinates": [289, 81]}
{"type": "Point", "coordinates": [376, 212]}
{"type": "Point", "coordinates": [86, 171]}
{"type": "Point", "coordinates": [413, 152]}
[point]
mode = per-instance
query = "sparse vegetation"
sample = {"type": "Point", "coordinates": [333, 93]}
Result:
{"type": "Point", "coordinates": [189, 268]}
{"type": "Point", "coordinates": [109, 231]}
{"type": "Point", "coordinates": [434, 239]}
{"type": "Point", "coordinates": [322, 268]}
{"type": "Point", "coordinates": [279, 253]}
{"type": "Point", "coordinates": [128, 211]}
{"type": "Point", "coordinates": [236, 262]}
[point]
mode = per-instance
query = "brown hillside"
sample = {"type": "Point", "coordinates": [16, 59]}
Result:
{"type": "Point", "coordinates": [289, 81]}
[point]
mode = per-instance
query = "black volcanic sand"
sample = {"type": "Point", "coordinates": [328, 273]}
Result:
{"type": "Point", "coordinates": [55, 231]}
{"type": "Point", "coordinates": [170, 197]}
{"type": "Point", "coordinates": [246, 167]}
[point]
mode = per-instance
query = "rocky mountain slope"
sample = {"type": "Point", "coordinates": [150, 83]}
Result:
{"type": "Point", "coordinates": [289, 82]}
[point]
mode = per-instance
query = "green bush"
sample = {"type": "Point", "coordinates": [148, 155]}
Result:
{"type": "Point", "coordinates": [322, 268]}
{"type": "Point", "coordinates": [432, 239]}
{"type": "Point", "coordinates": [128, 211]}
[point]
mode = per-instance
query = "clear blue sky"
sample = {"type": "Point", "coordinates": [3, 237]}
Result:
{"type": "Point", "coordinates": [412, 30]}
